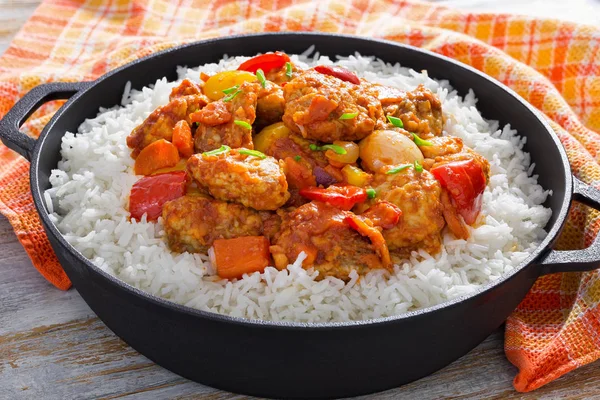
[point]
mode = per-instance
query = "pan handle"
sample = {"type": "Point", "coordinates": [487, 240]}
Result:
{"type": "Point", "coordinates": [18, 114]}
{"type": "Point", "coordinates": [576, 260]}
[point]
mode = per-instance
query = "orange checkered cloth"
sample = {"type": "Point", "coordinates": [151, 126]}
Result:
{"type": "Point", "coordinates": [554, 65]}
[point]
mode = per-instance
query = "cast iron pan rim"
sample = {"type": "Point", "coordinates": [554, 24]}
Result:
{"type": "Point", "coordinates": [171, 306]}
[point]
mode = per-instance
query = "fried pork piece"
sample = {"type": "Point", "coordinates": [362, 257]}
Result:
{"type": "Point", "coordinates": [271, 224]}
{"type": "Point", "coordinates": [293, 145]}
{"type": "Point", "coordinates": [245, 179]}
{"type": "Point", "coordinates": [270, 105]}
{"type": "Point", "coordinates": [160, 123]}
{"type": "Point", "coordinates": [420, 110]}
{"type": "Point", "coordinates": [315, 102]}
{"type": "Point", "coordinates": [442, 146]}
{"type": "Point", "coordinates": [216, 121]}
{"type": "Point", "coordinates": [333, 248]}
{"type": "Point", "coordinates": [279, 75]}
{"type": "Point", "coordinates": [417, 194]}
{"type": "Point", "coordinates": [193, 223]}
{"type": "Point", "coordinates": [186, 88]}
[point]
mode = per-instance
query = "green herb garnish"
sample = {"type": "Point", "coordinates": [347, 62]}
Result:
{"type": "Point", "coordinates": [243, 124]}
{"type": "Point", "coordinates": [371, 193]}
{"type": "Point", "coordinates": [421, 142]}
{"type": "Point", "coordinates": [223, 149]}
{"type": "Point", "coordinates": [231, 96]}
{"type": "Point", "coordinates": [397, 122]}
{"type": "Point", "coordinates": [260, 75]}
{"type": "Point", "coordinates": [333, 147]}
{"type": "Point", "coordinates": [297, 158]}
{"type": "Point", "coordinates": [231, 89]}
{"type": "Point", "coordinates": [398, 169]}
{"type": "Point", "coordinates": [418, 166]}
{"type": "Point", "coordinates": [254, 153]}
{"type": "Point", "coordinates": [349, 115]}
{"type": "Point", "coordinates": [288, 69]}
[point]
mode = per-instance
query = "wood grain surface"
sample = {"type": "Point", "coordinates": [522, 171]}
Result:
{"type": "Point", "coordinates": [53, 347]}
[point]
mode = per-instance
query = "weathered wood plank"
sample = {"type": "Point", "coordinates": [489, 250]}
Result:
{"type": "Point", "coordinates": [13, 14]}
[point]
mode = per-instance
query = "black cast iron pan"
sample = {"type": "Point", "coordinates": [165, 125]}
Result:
{"type": "Point", "coordinates": [299, 360]}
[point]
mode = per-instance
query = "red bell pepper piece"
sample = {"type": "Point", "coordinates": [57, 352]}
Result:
{"type": "Point", "coordinates": [338, 72]}
{"type": "Point", "coordinates": [340, 196]}
{"type": "Point", "coordinates": [149, 194]}
{"type": "Point", "coordinates": [465, 182]}
{"type": "Point", "coordinates": [266, 62]}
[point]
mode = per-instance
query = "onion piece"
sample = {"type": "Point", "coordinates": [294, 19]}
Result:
{"type": "Point", "coordinates": [322, 177]}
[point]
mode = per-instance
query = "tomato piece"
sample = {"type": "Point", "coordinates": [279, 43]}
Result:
{"type": "Point", "coordinates": [338, 72]}
{"type": "Point", "coordinates": [149, 194]}
{"type": "Point", "coordinates": [465, 182]}
{"type": "Point", "coordinates": [266, 62]}
{"type": "Point", "coordinates": [383, 214]}
{"type": "Point", "coordinates": [341, 196]}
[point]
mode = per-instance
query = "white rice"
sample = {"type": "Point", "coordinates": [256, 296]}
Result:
{"type": "Point", "coordinates": [89, 195]}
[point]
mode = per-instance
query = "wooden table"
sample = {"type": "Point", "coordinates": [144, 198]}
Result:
{"type": "Point", "coordinates": [53, 347]}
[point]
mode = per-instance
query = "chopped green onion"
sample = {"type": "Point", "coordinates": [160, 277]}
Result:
{"type": "Point", "coordinates": [333, 147]}
{"type": "Point", "coordinates": [231, 89]}
{"type": "Point", "coordinates": [418, 166]}
{"type": "Point", "coordinates": [288, 69]}
{"type": "Point", "coordinates": [231, 96]}
{"type": "Point", "coordinates": [398, 169]}
{"type": "Point", "coordinates": [421, 142]}
{"type": "Point", "coordinates": [223, 149]}
{"type": "Point", "coordinates": [260, 75]}
{"type": "Point", "coordinates": [371, 193]}
{"type": "Point", "coordinates": [297, 158]}
{"type": "Point", "coordinates": [397, 122]}
{"type": "Point", "coordinates": [243, 124]}
{"type": "Point", "coordinates": [349, 115]}
{"type": "Point", "coordinates": [254, 153]}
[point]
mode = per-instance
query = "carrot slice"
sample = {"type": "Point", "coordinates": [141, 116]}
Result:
{"type": "Point", "coordinates": [244, 255]}
{"type": "Point", "coordinates": [182, 138]}
{"type": "Point", "coordinates": [204, 76]}
{"type": "Point", "coordinates": [157, 155]}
